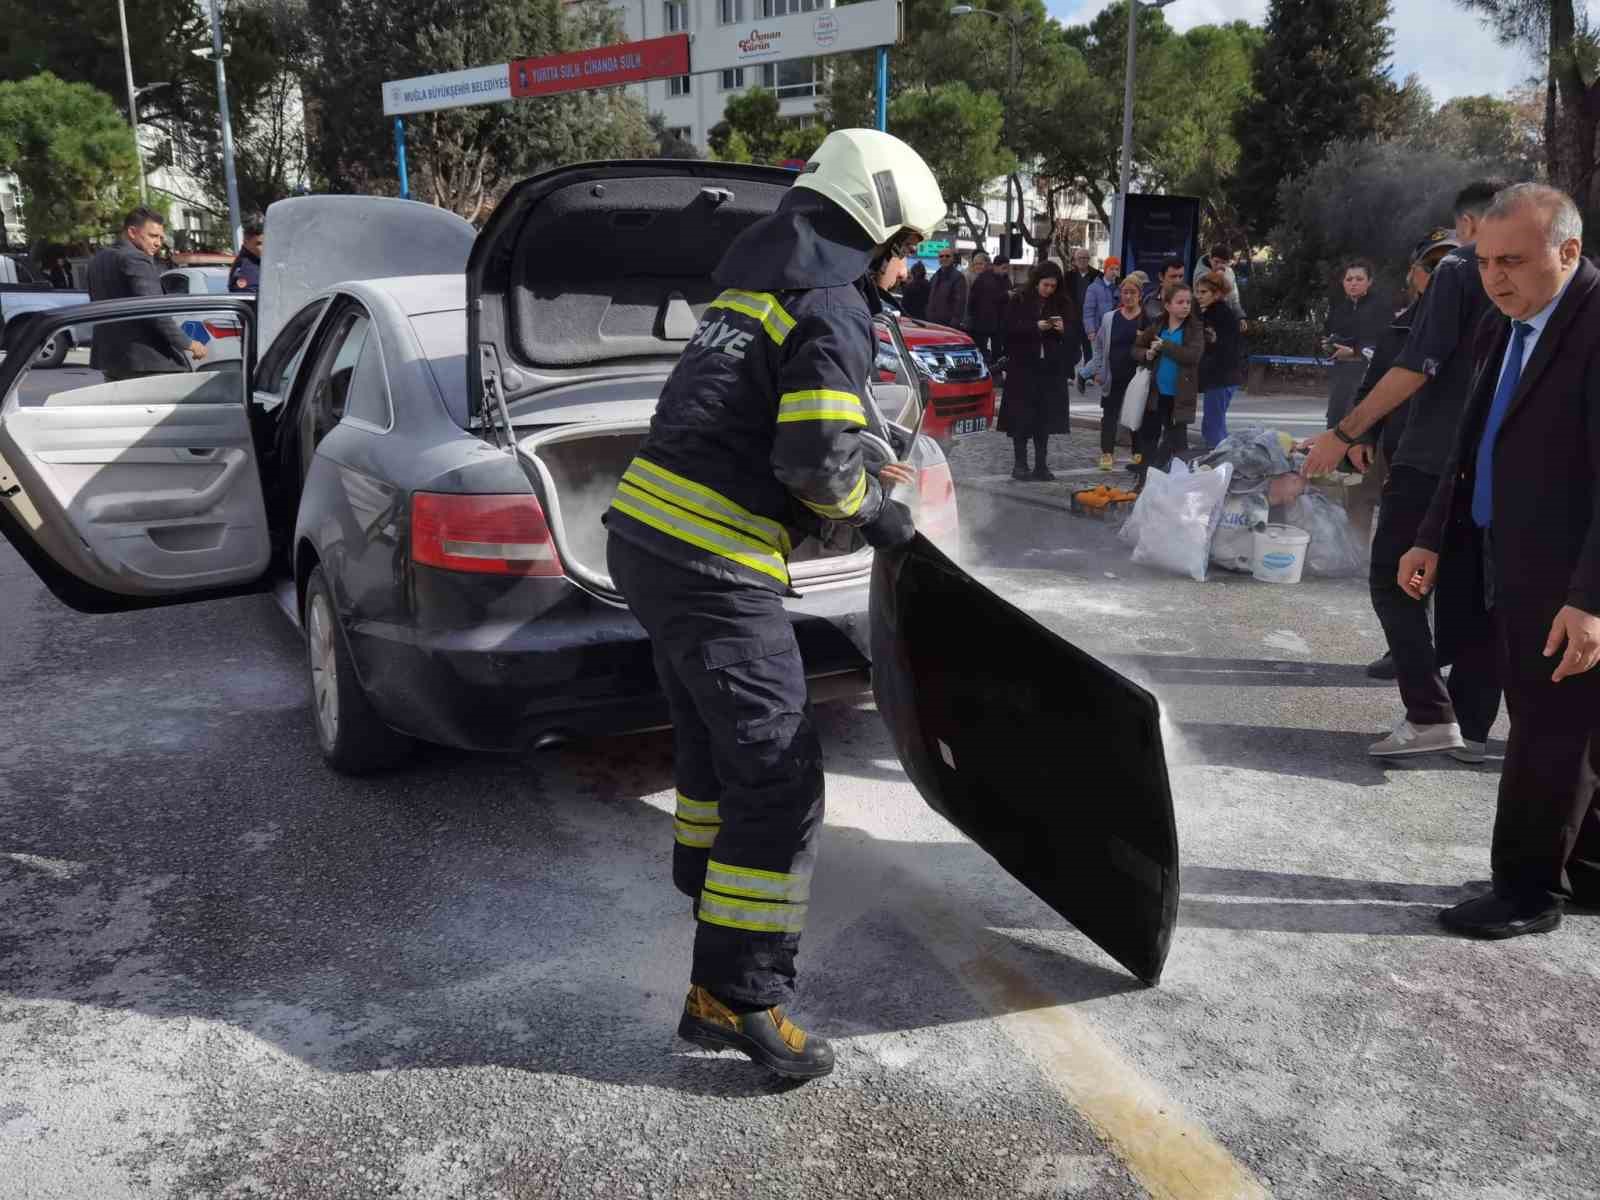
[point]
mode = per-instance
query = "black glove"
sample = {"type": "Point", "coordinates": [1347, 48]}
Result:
{"type": "Point", "coordinates": [891, 528]}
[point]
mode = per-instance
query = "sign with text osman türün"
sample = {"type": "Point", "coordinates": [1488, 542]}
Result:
{"type": "Point", "coordinates": [798, 35]}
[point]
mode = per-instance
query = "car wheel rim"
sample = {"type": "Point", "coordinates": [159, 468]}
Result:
{"type": "Point", "coordinates": [47, 351]}
{"type": "Point", "coordinates": [324, 670]}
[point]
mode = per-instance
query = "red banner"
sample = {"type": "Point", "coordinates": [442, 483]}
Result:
{"type": "Point", "coordinates": [604, 66]}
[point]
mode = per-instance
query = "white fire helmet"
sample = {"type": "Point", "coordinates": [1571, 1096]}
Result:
{"type": "Point", "coordinates": [879, 180]}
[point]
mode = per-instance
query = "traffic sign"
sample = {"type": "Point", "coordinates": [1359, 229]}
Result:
{"type": "Point", "coordinates": [930, 248]}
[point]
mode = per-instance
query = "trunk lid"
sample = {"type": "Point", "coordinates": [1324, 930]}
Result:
{"type": "Point", "coordinates": [601, 270]}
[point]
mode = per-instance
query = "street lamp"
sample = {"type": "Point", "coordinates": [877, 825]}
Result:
{"type": "Point", "coordinates": [1013, 21]}
{"type": "Point", "coordinates": [218, 51]}
{"type": "Point", "coordinates": [1127, 116]}
{"type": "Point", "coordinates": [133, 98]}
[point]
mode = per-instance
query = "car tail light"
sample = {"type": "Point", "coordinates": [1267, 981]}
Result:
{"type": "Point", "coordinates": [936, 501]}
{"type": "Point", "coordinates": [217, 330]}
{"type": "Point", "coordinates": [491, 535]}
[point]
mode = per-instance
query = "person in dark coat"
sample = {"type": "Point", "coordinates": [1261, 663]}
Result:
{"type": "Point", "coordinates": [947, 292]}
{"type": "Point", "coordinates": [1078, 281]}
{"type": "Point", "coordinates": [1222, 367]}
{"type": "Point", "coordinates": [987, 297]}
{"type": "Point", "coordinates": [1173, 347]}
{"type": "Point", "coordinates": [128, 349]}
{"type": "Point", "coordinates": [1376, 450]}
{"type": "Point", "coordinates": [1355, 323]}
{"type": "Point", "coordinates": [1434, 373]}
{"type": "Point", "coordinates": [1513, 540]}
{"type": "Point", "coordinates": [914, 297]}
{"type": "Point", "coordinates": [1041, 335]}
{"type": "Point", "coordinates": [245, 274]}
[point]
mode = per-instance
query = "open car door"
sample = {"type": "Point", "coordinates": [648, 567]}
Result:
{"type": "Point", "coordinates": [137, 484]}
{"type": "Point", "coordinates": [991, 730]}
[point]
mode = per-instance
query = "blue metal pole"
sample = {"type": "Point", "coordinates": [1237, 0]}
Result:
{"type": "Point", "coordinates": [883, 88]}
{"type": "Point", "coordinates": [400, 157]}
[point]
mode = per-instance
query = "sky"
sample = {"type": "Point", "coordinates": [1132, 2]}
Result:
{"type": "Point", "coordinates": [1437, 39]}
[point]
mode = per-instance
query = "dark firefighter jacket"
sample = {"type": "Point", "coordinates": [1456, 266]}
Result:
{"type": "Point", "coordinates": [754, 440]}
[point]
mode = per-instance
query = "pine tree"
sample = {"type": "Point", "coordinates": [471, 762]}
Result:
{"type": "Point", "coordinates": [1322, 76]}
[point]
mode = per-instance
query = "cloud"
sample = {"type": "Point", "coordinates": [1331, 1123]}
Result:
{"type": "Point", "coordinates": [1446, 46]}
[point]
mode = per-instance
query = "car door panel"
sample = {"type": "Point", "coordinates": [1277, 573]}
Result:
{"type": "Point", "coordinates": [994, 716]}
{"type": "Point", "coordinates": [139, 491]}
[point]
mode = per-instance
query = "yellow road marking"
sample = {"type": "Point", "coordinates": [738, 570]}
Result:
{"type": "Point", "coordinates": [1171, 1155]}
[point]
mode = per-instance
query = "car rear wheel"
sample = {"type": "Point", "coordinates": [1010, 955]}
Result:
{"type": "Point", "coordinates": [53, 353]}
{"type": "Point", "coordinates": [353, 738]}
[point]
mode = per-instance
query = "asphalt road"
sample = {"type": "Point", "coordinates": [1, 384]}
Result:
{"type": "Point", "coordinates": [226, 971]}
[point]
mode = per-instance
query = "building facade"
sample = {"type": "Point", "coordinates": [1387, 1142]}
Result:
{"type": "Point", "coordinates": [692, 104]}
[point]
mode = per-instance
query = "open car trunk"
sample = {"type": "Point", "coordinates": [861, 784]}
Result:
{"type": "Point", "coordinates": [576, 469]}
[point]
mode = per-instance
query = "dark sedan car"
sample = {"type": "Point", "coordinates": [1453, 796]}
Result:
{"type": "Point", "coordinates": [417, 461]}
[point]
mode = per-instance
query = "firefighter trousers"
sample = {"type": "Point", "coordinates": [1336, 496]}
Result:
{"type": "Point", "coordinates": [747, 764]}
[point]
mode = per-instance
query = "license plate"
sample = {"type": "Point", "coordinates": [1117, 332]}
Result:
{"type": "Point", "coordinates": [970, 425]}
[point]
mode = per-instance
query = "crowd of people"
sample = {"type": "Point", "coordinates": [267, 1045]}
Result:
{"type": "Point", "coordinates": [1069, 324]}
{"type": "Point", "coordinates": [1468, 406]}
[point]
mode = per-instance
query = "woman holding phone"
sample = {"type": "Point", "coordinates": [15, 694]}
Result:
{"type": "Point", "coordinates": [1034, 405]}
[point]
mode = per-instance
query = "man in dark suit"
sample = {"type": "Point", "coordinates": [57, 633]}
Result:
{"type": "Point", "coordinates": [126, 268]}
{"type": "Point", "coordinates": [1514, 541]}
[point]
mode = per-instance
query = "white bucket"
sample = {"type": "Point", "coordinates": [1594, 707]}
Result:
{"type": "Point", "coordinates": [1279, 554]}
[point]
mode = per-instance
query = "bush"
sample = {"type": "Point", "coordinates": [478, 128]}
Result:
{"type": "Point", "coordinates": [1372, 200]}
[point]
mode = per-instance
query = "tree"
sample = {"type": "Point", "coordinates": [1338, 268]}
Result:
{"type": "Point", "coordinates": [464, 159]}
{"type": "Point", "coordinates": [957, 132]}
{"type": "Point", "coordinates": [74, 155]}
{"type": "Point", "coordinates": [1320, 77]}
{"type": "Point", "coordinates": [668, 143]}
{"type": "Point", "coordinates": [1493, 129]}
{"type": "Point", "coordinates": [1374, 200]}
{"type": "Point", "coordinates": [1564, 34]}
{"type": "Point", "coordinates": [80, 41]}
{"type": "Point", "coordinates": [754, 115]}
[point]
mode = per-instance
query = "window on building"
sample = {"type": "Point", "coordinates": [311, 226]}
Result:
{"type": "Point", "coordinates": [782, 8]}
{"type": "Point", "coordinates": [677, 15]}
{"type": "Point", "coordinates": [730, 12]}
{"type": "Point", "coordinates": [793, 79]}
{"type": "Point", "coordinates": [731, 80]}
{"type": "Point", "coordinates": [682, 132]}
{"type": "Point", "coordinates": [678, 85]}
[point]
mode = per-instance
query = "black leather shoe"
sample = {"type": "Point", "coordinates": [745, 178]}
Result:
{"type": "Point", "coordinates": [1020, 471]}
{"type": "Point", "coordinates": [1381, 668]}
{"type": "Point", "coordinates": [1042, 475]}
{"type": "Point", "coordinates": [1498, 917]}
{"type": "Point", "coordinates": [767, 1037]}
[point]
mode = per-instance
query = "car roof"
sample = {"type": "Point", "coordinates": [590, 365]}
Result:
{"type": "Point", "coordinates": [413, 294]}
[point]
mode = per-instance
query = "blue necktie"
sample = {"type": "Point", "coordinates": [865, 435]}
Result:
{"type": "Point", "coordinates": [1483, 484]}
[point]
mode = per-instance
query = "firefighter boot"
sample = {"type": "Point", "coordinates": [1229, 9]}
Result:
{"type": "Point", "coordinates": [765, 1036]}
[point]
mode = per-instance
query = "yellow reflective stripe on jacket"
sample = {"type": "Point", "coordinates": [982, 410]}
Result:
{"type": "Point", "coordinates": [760, 885]}
{"type": "Point", "coordinates": [848, 507]}
{"type": "Point", "coordinates": [763, 306]}
{"type": "Point", "coordinates": [696, 822]}
{"type": "Point", "coordinates": [702, 501]}
{"type": "Point", "coordinates": [707, 535]}
{"type": "Point", "coordinates": [753, 915]}
{"type": "Point", "coordinates": [821, 404]}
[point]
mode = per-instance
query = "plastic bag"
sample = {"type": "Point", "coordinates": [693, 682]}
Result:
{"type": "Point", "coordinates": [1336, 549]}
{"type": "Point", "coordinates": [1243, 515]}
{"type": "Point", "coordinates": [1256, 454]}
{"type": "Point", "coordinates": [1181, 514]}
{"type": "Point", "coordinates": [1136, 399]}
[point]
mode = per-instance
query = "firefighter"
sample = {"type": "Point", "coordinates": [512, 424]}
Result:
{"type": "Point", "coordinates": [754, 445]}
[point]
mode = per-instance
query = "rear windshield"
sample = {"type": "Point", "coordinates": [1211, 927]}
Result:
{"type": "Point", "coordinates": [444, 343]}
